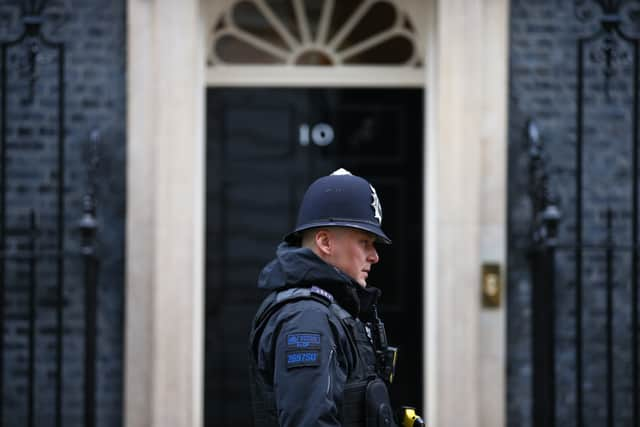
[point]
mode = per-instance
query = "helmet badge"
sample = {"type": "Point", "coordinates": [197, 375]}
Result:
{"type": "Point", "coordinates": [375, 204]}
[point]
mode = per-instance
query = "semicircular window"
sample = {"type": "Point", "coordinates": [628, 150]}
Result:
{"type": "Point", "coordinates": [314, 32]}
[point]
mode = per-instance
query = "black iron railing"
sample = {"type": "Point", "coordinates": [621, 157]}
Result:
{"type": "Point", "coordinates": [544, 268]}
{"type": "Point", "coordinates": [35, 248]}
{"type": "Point", "coordinates": [544, 231]}
{"type": "Point", "coordinates": [612, 46]}
{"type": "Point", "coordinates": [618, 29]}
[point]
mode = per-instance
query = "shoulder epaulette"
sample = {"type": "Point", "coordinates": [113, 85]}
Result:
{"type": "Point", "coordinates": [279, 298]}
{"type": "Point", "coordinates": [319, 291]}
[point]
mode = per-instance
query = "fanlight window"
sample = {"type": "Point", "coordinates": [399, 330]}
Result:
{"type": "Point", "coordinates": [314, 32]}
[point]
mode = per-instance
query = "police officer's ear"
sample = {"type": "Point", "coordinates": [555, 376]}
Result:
{"type": "Point", "coordinates": [323, 241]}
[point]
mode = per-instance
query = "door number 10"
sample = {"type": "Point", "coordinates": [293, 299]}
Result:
{"type": "Point", "coordinates": [320, 134]}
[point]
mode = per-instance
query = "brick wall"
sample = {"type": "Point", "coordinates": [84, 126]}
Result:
{"type": "Point", "coordinates": [543, 87]}
{"type": "Point", "coordinates": [92, 34]}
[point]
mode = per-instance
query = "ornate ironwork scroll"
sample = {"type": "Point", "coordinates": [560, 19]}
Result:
{"type": "Point", "coordinates": [613, 25]}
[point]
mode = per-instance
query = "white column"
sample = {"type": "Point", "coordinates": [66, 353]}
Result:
{"type": "Point", "coordinates": [492, 398]}
{"type": "Point", "coordinates": [453, 298]}
{"type": "Point", "coordinates": [466, 203]}
{"type": "Point", "coordinates": [164, 298]}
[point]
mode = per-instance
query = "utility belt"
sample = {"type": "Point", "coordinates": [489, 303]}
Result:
{"type": "Point", "coordinates": [367, 403]}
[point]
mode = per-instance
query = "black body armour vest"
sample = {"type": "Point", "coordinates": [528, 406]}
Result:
{"type": "Point", "coordinates": [353, 410]}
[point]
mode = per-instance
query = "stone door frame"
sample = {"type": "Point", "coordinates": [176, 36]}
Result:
{"type": "Point", "coordinates": [465, 211]}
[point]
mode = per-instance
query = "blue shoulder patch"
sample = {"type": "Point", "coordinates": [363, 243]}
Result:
{"type": "Point", "coordinates": [303, 358]}
{"type": "Point", "coordinates": [303, 349]}
{"type": "Point", "coordinates": [303, 340]}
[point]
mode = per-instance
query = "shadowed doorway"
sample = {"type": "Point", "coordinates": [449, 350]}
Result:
{"type": "Point", "coordinates": [264, 147]}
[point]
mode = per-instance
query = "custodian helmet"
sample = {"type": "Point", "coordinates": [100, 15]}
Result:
{"type": "Point", "coordinates": [340, 200]}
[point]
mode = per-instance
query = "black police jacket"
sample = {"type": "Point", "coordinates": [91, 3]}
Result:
{"type": "Point", "coordinates": [311, 355]}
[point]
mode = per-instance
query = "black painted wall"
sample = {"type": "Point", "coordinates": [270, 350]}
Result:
{"type": "Point", "coordinates": [543, 87]}
{"type": "Point", "coordinates": [93, 35]}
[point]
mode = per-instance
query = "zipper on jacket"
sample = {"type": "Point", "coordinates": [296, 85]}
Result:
{"type": "Point", "coordinates": [331, 370]}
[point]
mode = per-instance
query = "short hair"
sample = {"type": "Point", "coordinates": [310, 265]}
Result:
{"type": "Point", "coordinates": [308, 237]}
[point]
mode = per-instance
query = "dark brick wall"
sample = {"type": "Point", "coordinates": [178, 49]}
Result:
{"type": "Point", "coordinates": [93, 35]}
{"type": "Point", "coordinates": [543, 87]}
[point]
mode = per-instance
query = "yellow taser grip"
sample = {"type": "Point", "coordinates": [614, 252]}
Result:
{"type": "Point", "coordinates": [410, 418]}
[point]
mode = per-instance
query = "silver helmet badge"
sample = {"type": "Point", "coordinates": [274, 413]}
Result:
{"type": "Point", "coordinates": [375, 204]}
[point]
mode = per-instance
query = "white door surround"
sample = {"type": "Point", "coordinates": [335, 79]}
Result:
{"type": "Point", "coordinates": [464, 71]}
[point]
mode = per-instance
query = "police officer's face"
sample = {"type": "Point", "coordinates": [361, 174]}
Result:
{"type": "Point", "coordinates": [353, 252]}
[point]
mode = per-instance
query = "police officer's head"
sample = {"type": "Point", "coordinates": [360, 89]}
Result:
{"type": "Point", "coordinates": [340, 220]}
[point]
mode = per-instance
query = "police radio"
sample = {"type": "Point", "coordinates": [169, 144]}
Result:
{"type": "Point", "coordinates": [386, 355]}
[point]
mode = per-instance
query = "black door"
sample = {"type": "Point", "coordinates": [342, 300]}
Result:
{"type": "Point", "coordinates": [264, 147]}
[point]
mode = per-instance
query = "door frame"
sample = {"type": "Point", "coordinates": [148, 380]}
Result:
{"type": "Point", "coordinates": [465, 81]}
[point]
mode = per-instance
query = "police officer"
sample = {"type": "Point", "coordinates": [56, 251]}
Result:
{"type": "Point", "coordinates": [318, 351]}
